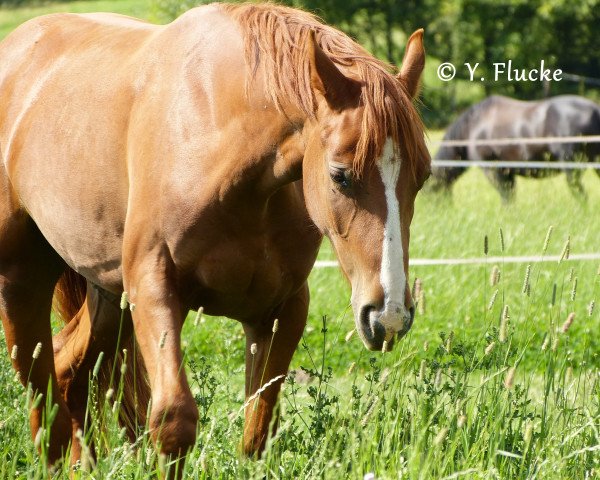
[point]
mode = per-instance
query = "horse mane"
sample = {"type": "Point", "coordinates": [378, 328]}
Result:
{"type": "Point", "coordinates": [276, 36]}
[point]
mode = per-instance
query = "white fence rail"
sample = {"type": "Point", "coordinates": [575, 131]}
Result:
{"type": "Point", "coordinates": [518, 141]}
{"type": "Point", "coordinates": [516, 164]}
{"type": "Point", "coordinates": [480, 260]}
{"type": "Point", "coordinates": [532, 165]}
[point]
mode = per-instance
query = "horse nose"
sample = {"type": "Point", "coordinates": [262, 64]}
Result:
{"type": "Point", "coordinates": [372, 331]}
{"type": "Point", "coordinates": [407, 324]}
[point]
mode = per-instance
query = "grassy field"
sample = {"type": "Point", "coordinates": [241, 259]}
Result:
{"type": "Point", "coordinates": [472, 392]}
{"type": "Point", "coordinates": [469, 393]}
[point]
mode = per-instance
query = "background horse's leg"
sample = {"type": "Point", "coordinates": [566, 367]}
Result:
{"type": "Point", "coordinates": [29, 269]}
{"type": "Point", "coordinates": [158, 318]}
{"type": "Point", "coordinates": [575, 185]}
{"type": "Point", "coordinates": [272, 358]}
{"type": "Point", "coordinates": [504, 182]}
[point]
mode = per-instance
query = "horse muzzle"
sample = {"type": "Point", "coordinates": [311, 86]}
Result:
{"type": "Point", "coordinates": [375, 325]}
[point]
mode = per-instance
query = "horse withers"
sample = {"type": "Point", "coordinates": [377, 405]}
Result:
{"type": "Point", "coordinates": [196, 164]}
{"type": "Point", "coordinates": [499, 117]}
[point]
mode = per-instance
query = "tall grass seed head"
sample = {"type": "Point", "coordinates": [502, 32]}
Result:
{"type": "Point", "coordinates": [417, 287]}
{"type": "Point", "coordinates": [124, 300]}
{"type": "Point", "coordinates": [437, 382]}
{"type": "Point", "coordinates": [555, 341]}
{"type": "Point", "coordinates": [501, 241]}
{"type": "Point", "coordinates": [449, 342]}
{"type": "Point", "coordinates": [566, 250]}
{"type": "Point", "coordinates": [350, 334]}
{"type": "Point", "coordinates": [276, 325]}
{"type": "Point", "coordinates": [36, 351]}
{"type": "Point", "coordinates": [495, 276]}
{"type": "Point", "coordinates": [525, 288]}
{"type": "Point", "coordinates": [509, 380]}
{"type": "Point", "coordinates": [568, 322]}
{"type": "Point", "coordinates": [485, 245]}
{"type": "Point", "coordinates": [421, 303]}
{"type": "Point", "coordinates": [440, 437]}
{"type": "Point", "coordinates": [490, 348]}
{"type": "Point", "coordinates": [591, 308]}
{"type": "Point", "coordinates": [199, 318]}
{"type": "Point", "coordinates": [574, 290]}
{"type": "Point", "coordinates": [253, 349]}
{"type": "Point", "coordinates": [38, 438]}
{"type": "Point", "coordinates": [547, 239]}
{"type": "Point", "coordinates": [493, 299]}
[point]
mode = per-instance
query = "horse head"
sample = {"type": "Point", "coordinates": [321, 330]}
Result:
{"type": "Point", "coordinates": [365, 206]}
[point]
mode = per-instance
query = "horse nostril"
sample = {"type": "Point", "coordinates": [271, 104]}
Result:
{"type": "Point", "coordinates": [365, 316]}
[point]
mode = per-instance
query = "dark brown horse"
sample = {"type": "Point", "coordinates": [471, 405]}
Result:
{"type": "Point", "coordinates": [196, 164]}
{"type": "Point", "coordinates": [500, 117]}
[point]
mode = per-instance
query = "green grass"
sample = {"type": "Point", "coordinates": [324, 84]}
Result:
{"type": "Point", "coordinates": [11, 18]}
{"type": "Point", "coordinates": [432, 408]}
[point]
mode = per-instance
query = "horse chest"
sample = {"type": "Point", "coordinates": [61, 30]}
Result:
{"type": "Point", "coordinates": [240, 279]}
{"type": "Point", "coordinates": [238, 266]}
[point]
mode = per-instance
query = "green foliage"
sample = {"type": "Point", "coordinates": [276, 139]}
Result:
{"type": "Point", "coordinates": [164, 11]}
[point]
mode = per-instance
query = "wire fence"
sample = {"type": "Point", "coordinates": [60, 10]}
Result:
{"type": "Point", "coordinates": [428, 262]}
{"type": "Point", "coordinates": [521, 164]}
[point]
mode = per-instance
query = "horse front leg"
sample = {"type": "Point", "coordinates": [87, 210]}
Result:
{"type": "Point", "coordinates": [504, 182]}
{"type": "Point", "coordinates": [157, 319]}
{"type": "Point", "coordinates": [575, 185]}
{"type": "Point", "coordinates": [268, 356]}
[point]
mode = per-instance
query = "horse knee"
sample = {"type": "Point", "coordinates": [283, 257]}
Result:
{"type": "Point", "coordinates": [173, 427]}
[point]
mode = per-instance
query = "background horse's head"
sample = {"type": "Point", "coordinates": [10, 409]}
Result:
{"type": "Point", "coordinates": [365, 162]}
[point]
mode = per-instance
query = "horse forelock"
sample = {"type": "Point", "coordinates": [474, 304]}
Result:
{"type": "Point", "coordinates": [276, 36]}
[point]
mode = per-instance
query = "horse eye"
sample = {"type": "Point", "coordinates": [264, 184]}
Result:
{"type": "Point", "coordinates": [341, 177]}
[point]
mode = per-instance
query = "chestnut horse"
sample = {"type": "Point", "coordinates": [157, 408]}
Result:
{"type": "Point", "coordinates": [196, 164]}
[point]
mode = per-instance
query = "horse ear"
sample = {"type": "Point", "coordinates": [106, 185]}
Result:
{"type": "Point", "coordinates": [326, 79]}
{"type": "Point", "coordinates": [413, 63]}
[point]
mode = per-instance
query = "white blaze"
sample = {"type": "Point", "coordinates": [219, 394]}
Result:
{"type": "Point", "coordinates": [392, 275]}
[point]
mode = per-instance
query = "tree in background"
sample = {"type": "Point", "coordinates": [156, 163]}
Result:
{"type": "Point", "coordinates": [563, 33]}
